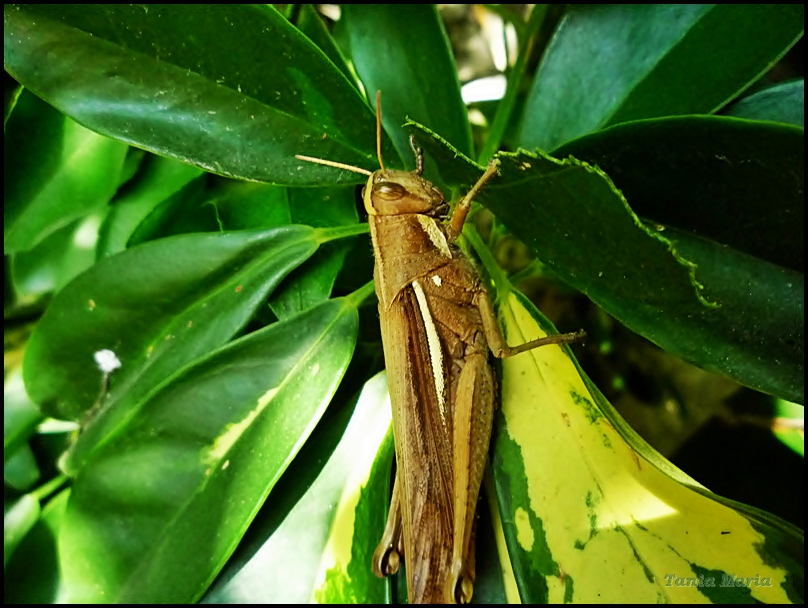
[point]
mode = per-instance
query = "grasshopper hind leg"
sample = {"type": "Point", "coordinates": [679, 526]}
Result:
{"type": "Point", "coordinates": [473, 418]}
{"type": "Point", "coordinates": [390, 552]}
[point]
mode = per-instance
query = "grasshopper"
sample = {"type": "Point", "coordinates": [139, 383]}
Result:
{"type": "Point", "coordinates": [438, 326]}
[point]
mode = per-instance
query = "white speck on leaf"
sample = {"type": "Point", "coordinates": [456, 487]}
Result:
{"type": "Point", "coordinates": [106, 360]}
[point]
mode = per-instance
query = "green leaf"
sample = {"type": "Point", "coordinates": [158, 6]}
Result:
{"type": "Point", "coordinates": [756, 337]}
{"type": "Point", "coordinates": [312, 282]}
{"type": "Point", "coordinates": [57, 259]}
{"type": "Point", "coordinates": [783, 102]}
{"type": "Point", "coordinates": [20, 469]}
{"type": "Point", "coordinates": [157, 179]}
{"type": "Point", "coordinates": [609, 64]}
{"type": "Point", "coordinates": [310, 23]}
{"type": "Point", "coordinates": [578, 487]}
{"type": "Point", "coordinates": [330, 506]}
{"type": "Point", "coordinates": [729, 194]}
{"type": "Point", "coordinates": [146, 521]}
{"type": "Point", "coordinates": [403, 51]}
{"type": "Point", "coordinates": [33, 574]}
{"type": "Point", "coordinates": [236, 90]}
{"type": "Point", "coordinates": [11, 93]}
{"type": "Point", "coordinates": [735, 182]}
{"type": "Point", "coordinates": [157, 306]}
{"type": "Point", "coordinates": [700, 300]}
{"type": "Point", "coordinates": [18, 519]}
{"type": "Point", "coordinates": [182, 213]}
{"type": "Point", "coordinates": [55, 171]}
{"type": "Point", "coordinates": [505, 107]}
{"type": "Point", "coordinates": [20, 414]}
{"type": "Point", "coordinates": [131, 165]}
{"type": "Point", "coordinates": [248, 206]}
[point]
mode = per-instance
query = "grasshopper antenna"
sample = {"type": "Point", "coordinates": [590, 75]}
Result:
{"type": "Point", "coordinates": [379, 129]}
{"type": "Point", "coordinates": [333, 163]}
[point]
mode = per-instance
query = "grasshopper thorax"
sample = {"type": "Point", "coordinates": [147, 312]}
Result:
{"type": "Point", "coordinates": [390, 192]}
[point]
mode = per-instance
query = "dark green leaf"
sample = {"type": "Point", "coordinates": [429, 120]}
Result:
{"type": "Point", "coordinates": [310, 23]}
{"type": "Point", "coordinates": [157, 306]}
{"type": "Point", "coordinates": [757, 336]}
{"type": "Point", "coordinates": [155, 515]}
{"type": "Point", "coordinates": [248, 206]}
{"type": "Point", "coordinates": [157, 179]}
{"type": "Point", "coordinates": [312, 282]}
{"type": "Point", "coordinates": [234, 89]}
{"type": "Point", "coordinates": [55, 171]}
{"type": "Point", "coordinates": [737, 183]}
{"type": "Point", "coordinates": [402, 51]}
{"type": "Point", "coordinates": [613, 63]}
{"type": "Point", "coordinates": [579, 225]}
{"type": "Point", "coordinates": [783, 102]}
{"type": "Point", "coordinates": [504, 118]}
{"type": "Point", "coordinates": [182, 213]}
{"type": "Point", "coordinates": [131, 165]}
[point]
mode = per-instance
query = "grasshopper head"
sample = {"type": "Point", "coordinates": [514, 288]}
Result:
{"type": "Point", "coordinates": [390, 192]}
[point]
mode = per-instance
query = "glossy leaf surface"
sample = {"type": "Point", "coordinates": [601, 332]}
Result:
{"type": "Point", "coordinates": [55, 171]}
{"type": "Point", "coordinates": [156, 307]}
{"type": "Point", "coordinates": [710, 304]}
{"type": "Point", "coordinates": [314, 542]}
{"type": "Point", "coordinates": [738, 183]}
{"type": "Point", "coordinates": [57, 259]}
{"type": "Point", "coordinates": [594, 514]}
{"type": "Point", "coordinates": [157, 180]}
{"type": "Point", "coordinates": [613, 63]}
{"type": "Point", "coordinates": [236, 90]}
{"type": "Point", "coordinates": [783, 102]}
{"type": "Point", "coordinates": [148, 519]}
{"type": "Point", "coordinates": [403, 51]}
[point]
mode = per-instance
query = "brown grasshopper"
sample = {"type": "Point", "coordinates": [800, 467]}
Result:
{"type": "Point", "coordinates": [438, 325]}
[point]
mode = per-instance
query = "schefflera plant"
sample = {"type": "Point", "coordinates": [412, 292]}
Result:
{"type": "Point", "coordinates": [221, 460]}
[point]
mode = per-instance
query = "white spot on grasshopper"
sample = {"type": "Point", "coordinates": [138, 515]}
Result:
{"type": "Point", "coordinates": [436, 280]}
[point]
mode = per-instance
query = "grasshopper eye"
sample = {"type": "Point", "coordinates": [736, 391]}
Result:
{"type": "Point", "coordinates": [390, 191]}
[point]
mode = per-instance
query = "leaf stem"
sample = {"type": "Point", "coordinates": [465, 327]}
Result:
{"type": "Point", "coordinates": [324, 235]}
{"type": "Point", "coordinates": [46, 489]}
{"type": "Point", "coordinates": [501, 284]}
{"type": "Point", "coordinates": [360, 295]}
